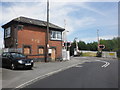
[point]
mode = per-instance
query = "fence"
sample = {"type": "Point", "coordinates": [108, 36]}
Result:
{"type": "Point", "coordinates": [109, 54]}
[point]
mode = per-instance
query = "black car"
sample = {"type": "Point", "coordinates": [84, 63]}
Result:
{"type": "Point", "coordinates": [16, 60]}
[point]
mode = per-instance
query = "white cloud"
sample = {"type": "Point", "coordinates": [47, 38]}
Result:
{"type": "Point", "coordinates": [35, 11]}
{"type": "Point", "coordinates": [60, 0]}
{"type": "Point", "coordinates": [106, 37]}
{"type": "Point", "coordinates": [58, 12]}
{"type": "Point", "coordinates": [1, 39]}
{"type": "Point", "coordinates": [78, 24]}
{"type": "Point", "coordinates": [92, 9]}
{"type": "Point", "coordinates": [89, 39]}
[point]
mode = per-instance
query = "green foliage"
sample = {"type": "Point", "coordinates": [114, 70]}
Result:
{"type": "Point", "coordinates": [92, 46]}
{"type": "Point", "coordinates": [110, 45]}
{"type": "Point", "coordinates": [73, 45]}
{"type": "Point", "coordinates": [80, 53]}
{"type": "Point", "coordinates": [82, 45]}
{"type": "Point", "coordinates": [118, 51]}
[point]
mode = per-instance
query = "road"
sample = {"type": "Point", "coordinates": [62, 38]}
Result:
{"type": "Point", "coordinates": [19, 78]}
{"type": "Point", "coordinates": [93, 74]}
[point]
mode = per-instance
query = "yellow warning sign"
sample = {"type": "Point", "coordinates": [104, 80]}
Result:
{"type": "Point", "coordinates": [111, 54]}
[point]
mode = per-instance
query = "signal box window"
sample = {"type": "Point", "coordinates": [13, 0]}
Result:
{"type": "Point", "coordinates": [56, 35]}
{"type": "Point", "coordinates": [7, 32]}
{"type": "Point", "coordinates": [40, 50]}
{"type": "Point", "coordinates": [27, 50]}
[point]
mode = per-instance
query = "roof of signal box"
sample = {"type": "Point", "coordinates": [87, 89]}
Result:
{"type": "Point", "coordinates": [35, 22]}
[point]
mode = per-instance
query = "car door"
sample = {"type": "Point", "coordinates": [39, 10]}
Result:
{"type": "Point", "coordinates": [8, 59]}
{"type": "Point", "coordinates": [4, 59]}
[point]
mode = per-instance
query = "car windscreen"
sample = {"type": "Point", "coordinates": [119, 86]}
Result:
{"type": "Point", "coordinates": [18, 55]}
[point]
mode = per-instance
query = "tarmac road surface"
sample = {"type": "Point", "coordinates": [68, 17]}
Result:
{"type": "Point", "coordinates": [93, 74]}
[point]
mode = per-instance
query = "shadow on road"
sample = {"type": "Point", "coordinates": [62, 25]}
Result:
{"type": "Point", "coordinates": [18, 69]}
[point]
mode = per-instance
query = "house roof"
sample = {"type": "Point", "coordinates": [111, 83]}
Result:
{"type": "Point", "coordinates": [34, 22]}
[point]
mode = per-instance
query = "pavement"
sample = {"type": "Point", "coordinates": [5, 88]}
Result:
{"type": "Point", "coordinates": [22, 78]}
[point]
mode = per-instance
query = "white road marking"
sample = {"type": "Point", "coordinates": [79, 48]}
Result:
{"type": "Point", "coordinates": [106, 63]}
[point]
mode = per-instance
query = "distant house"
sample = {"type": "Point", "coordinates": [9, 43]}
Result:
{"type": "Point", "coordinates": [29, 35]}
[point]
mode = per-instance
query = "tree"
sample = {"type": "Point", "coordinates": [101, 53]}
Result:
{"type": "Point", "coordinates": [73, 45]}
{"type": "Point", "coordinates": [92, 46]}
{"type": "Point", "coordinates": [110, 45]}
{"type": "Point", "coordinates": [82, 45]}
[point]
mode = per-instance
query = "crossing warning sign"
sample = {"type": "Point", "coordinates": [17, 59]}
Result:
{"type": "Point", "coordinates": [101, 46]}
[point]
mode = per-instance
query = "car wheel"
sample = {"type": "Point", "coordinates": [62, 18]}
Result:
{"type": "Point", "coordinates": [30, 68]}
{"type": "Point", "coordinates": [12, 66]}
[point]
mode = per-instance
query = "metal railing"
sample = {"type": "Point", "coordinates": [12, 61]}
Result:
{"type": "Point", "coordinates": [12, 50]}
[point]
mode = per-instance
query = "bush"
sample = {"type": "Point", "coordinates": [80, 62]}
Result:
{"type": "Point", "coordinates": [80, 54]}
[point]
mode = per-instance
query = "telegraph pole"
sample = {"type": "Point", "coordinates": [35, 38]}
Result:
{"type": "Point", "coordinates": [65, 35]}
{"type": "Point", "coordinates": [47, 33]}
{"type": "Point", "coordinates": [98, 40]}
{"type": "Point", "coordinates": [76, 44]}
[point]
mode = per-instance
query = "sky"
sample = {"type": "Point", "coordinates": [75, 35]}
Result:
{"type": "Point", "coordinates": [82, 18]}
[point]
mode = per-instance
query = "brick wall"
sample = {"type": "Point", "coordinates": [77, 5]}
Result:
{"type": "Point", "coordinates": [35, 36]}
